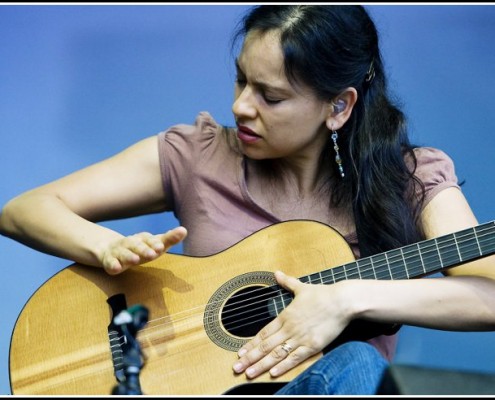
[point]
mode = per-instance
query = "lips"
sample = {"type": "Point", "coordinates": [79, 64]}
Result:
{"type": "Point", "coordinates": [247, 135]}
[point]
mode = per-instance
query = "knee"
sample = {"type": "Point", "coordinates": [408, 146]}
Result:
{"type": "Point", "coordinates": [360, 353]}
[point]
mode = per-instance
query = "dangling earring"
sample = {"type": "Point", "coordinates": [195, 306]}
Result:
{"type": "Point", "coordinates": [338, 160]}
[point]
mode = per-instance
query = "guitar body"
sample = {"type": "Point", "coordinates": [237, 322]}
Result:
{"type": "Point", "coordinates": [60, 343]}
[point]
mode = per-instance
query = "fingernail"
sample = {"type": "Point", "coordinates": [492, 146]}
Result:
{"type": "Point", "coordinates": [237, 367]}
{"type": "Point", "coordinates": [150, 253]}
{"type": "Point", "coordinates": [241, 352]}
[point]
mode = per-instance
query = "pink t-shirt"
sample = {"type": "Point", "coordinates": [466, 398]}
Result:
{"type": "Point", "coordinates": [205, 187]}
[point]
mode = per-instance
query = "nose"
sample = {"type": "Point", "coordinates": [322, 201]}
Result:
{"type": "Point", "coordinates": [244, 104]}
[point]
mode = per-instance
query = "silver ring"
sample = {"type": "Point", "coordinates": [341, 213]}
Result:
{"type": "Point", "coordinates": [286, 347]}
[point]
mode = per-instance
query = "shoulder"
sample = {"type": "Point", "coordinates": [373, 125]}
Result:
{"type": "Point", "coordinates": [434, 163]}
{"type": "Point", "coordinates": [431, 153]}
{"type": "Point", "coordinates": [435, 169]}
{"type": "Point", "coordinates": [204, 135]}
{"type": "Point", "coordinates": [204, 127]}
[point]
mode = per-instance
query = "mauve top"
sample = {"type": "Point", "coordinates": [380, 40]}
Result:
{"type": "Point", "coordinates": [205, 187]}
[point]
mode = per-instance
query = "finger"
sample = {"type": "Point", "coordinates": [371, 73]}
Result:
{"type": "Point", "coordinates": [112, 266]}
{"type": "Point", "coordinates": [263, 335]}
{"type": "Point", "coordinates": [280, 360]}
{"type": "Point", "coordinates": [294, 358]}
{"type": "Point", "coordinates": [278, 355]}
{"type": "Point", "coordinates": [155, 242]}
{"type": "Point", "coordinates": [138, 245]}
{"type": "Point", "coordinates": [260, 347]}
{"type": "Point", "coordinates": [172, 237]}
{"type": "Point", "coordinates": [151, 246]}
{"type": "Point", "coordinates": [117, 263]}
{"type": "Point", "coordinates": [141, 247]}
{"type": "Point", "coordinates": [287, 282]}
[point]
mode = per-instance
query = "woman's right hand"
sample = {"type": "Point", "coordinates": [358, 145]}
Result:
{"type": "Point", "coordinates": [133, 250]}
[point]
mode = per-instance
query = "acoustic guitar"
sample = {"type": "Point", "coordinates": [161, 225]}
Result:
{"type": "Point", "coordinates": [202, 309]}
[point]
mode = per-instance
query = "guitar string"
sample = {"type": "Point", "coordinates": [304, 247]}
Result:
{"type": "Point", "coordinates": [373, 267]}
{"type": "Point", "coordinates": [344, 274]}
{"type": "Point", "coordinates": [147, 342]}
{"type": "Point", "coordinates": [385, 263]}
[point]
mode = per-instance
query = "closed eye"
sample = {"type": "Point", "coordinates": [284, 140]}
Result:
{"type": "Point", "coordinates": [269, 100]}
{"type": "Point", "coordinates": [240, 81]}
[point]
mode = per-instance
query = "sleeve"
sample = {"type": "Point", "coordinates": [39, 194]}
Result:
{"type": "Point", "coordinates": [180, 148]}
{"type": "Point", "coordinates": [436, 170]}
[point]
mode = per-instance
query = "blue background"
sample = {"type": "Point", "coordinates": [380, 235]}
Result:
{"type": "Point", "coordinates": [79, 83]}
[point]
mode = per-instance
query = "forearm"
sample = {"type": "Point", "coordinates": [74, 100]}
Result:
{"type": "Point", "coordinates": [45, 223]}
{"type": "Point", "coordinates": [463, 303]}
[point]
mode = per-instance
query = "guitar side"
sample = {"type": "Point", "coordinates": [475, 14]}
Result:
{"type": "Point", "coordinates": [60, 342]}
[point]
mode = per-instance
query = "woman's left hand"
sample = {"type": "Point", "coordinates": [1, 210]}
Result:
{"type": "Point", "coordinates": [314, 318]}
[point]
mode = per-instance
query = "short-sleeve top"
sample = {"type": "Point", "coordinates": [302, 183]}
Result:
{"type": "Point", "coordinates": [205, 188]}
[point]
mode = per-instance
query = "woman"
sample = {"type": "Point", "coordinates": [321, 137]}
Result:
{"type": "Point", "coordinates": [317, 138]}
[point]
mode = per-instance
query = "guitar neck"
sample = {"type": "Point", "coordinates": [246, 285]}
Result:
{"type": "Point", "coordinates": [412, 261]}
{"type": "Point", "coordinates": [416, 260]}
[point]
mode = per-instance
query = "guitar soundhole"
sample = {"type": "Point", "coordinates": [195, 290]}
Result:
{"type": "Point", "coordinates": [249, 310]}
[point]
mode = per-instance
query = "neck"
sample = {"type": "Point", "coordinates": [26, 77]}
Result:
{"type": "Point", "coordinates": [295, 178]}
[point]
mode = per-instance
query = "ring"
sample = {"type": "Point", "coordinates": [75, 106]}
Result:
{"type": "Point", "coordinates": [286, 347]}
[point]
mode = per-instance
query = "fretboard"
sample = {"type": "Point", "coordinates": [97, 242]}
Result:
{"type": "Point", "coordinates": [412, 261]}
{"type": "Point", "coordinates": [416, 260]}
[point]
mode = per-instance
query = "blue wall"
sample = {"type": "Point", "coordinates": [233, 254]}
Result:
{"type": "Point", "coordinates": [80, 83]}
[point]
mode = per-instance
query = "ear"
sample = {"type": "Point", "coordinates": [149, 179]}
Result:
{"type": "Point", "coordinates": [340, 108]}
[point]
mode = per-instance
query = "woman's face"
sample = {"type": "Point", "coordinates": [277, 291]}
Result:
{"type": "Point", "coordinates": [275, 119]}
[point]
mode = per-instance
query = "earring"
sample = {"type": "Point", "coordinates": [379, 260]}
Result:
{"type": "Point", "coordinates": [339, 106]}
{"type": "Point", "coordinates": [338, 160]}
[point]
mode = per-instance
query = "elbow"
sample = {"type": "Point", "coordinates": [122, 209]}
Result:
{"type": "Point", "coordinates": [11, 216]}
{"type": "Point", "coordinates": [7, 214]}
{"type": "Point", "coordinates": [488, 323]}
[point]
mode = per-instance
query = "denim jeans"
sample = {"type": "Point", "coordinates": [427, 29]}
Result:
{"type": "Point", "coordinates": [354, 368]}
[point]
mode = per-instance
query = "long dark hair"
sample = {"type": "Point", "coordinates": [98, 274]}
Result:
{"type": "Point", "coordinates": [330, 48]}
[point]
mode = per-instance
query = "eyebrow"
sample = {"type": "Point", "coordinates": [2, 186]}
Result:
{"type": "Point", "coordinates": [263, 85]}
